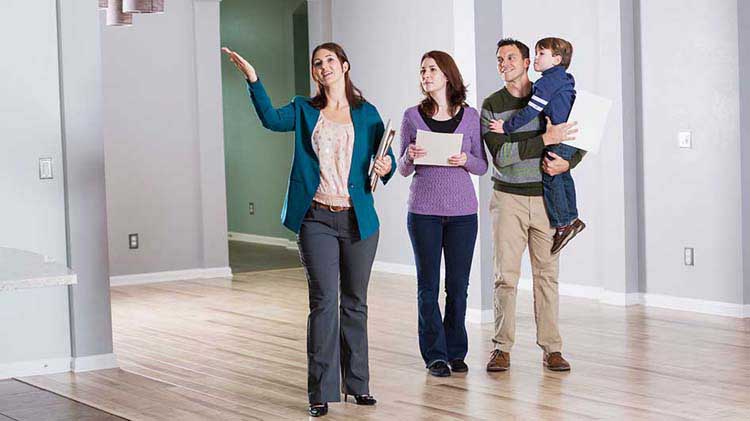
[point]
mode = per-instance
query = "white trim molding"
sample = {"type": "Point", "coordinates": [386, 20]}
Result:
{"type": "Point", "coordinates": [93, 362]}
{"type": "Point", "coordinates": [395, 268]}
{"type": "Point", "coordinates": [647, 299]}
{"type": "Point", "coordinates": [168, 276]}
{"type": "Point", "coordinates": [695, 305]}
{"type": "Point", "coordinates": [261, 239]}
{"type": "Point", "coordinates": [475, 315]}
{"type": "Point", "coordinates": [34, 368]}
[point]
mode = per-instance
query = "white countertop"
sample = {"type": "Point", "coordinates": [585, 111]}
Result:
{"type": "Point", "coordinates": [24, 269]}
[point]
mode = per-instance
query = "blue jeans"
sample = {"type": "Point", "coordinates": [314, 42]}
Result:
{"type": "Point", "coordinates": [560, 190]}
{"type": "Point", "coordinates": [431, 236]}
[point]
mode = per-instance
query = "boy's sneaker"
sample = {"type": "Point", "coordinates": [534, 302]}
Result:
{"type": "Point", "coordinates": [563, 235]}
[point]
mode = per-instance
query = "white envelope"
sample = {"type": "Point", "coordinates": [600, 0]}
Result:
{"type": "Point", "coordinates": [591, 112]}
{"type": "Point", "coordinates": [439, 147]}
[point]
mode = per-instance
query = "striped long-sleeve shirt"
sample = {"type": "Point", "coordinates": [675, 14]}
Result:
{"type": "Point", "coordinates": [516, 157]}
{"type": "Point", "coordinates": [553, 95]}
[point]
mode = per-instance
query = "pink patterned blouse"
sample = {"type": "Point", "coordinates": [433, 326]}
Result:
{"type": "Point", "coordinates": [333, 143]}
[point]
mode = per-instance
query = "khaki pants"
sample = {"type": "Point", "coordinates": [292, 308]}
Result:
{"type": "Point", "coordinates": [518, 221]}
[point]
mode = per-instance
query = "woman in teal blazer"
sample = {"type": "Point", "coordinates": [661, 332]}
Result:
{"type": "Point", "coordinates": [330, 206]}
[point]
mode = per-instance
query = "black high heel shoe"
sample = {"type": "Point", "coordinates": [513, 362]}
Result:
{"type": "Point", "coordinates": [363, 399]}
{"type": "Point", "coordinates": [318, 409]}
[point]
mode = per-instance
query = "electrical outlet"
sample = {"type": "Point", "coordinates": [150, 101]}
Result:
{"type": "Point", "coordinates": [251, 208]}
{"type": "Point", "coordinates": [689, 256]}
{"type": "Point", "coordinates": [133, 241]}
{"type": "Point", "coordinates": [45, 168]}
{"type": "Point", "coordinates": [685, 139]}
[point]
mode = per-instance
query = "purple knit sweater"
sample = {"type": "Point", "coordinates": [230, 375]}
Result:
{"type": "Point", "coordinates": [443, 191]}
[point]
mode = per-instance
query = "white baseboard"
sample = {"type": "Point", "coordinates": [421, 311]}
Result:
{"type": "Point", "coordinates": [621, 298]}
{"type": "Point", "coordinates": [648, 299]}
{"type": "Point", "coordinates": [570, 290]}
{"type": "Point", "coordinates": [475, 315]}
{"type": "Point", "coordinates": [395, 268]}
{"type": "Point", "coordinates": [260, 239]}
{"type": "Point", "coordinates": [695, 305]}
{"type": "Point", "coordinates": [174, 275]}
{"type": "Point", "coordinates": [93, 362]}
{"type": "Point", "coordinates": [34, 368]}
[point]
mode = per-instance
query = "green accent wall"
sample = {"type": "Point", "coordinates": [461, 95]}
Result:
{"type": "Point", "coordinates": [258, 160]}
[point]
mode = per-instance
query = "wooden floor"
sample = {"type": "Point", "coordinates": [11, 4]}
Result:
{"type": "Point", "coordinates": [22, 402]}
{"type": "Point", "coordinates": [220, 350]}
{"type": "Point", "coordinates": [249, 257]}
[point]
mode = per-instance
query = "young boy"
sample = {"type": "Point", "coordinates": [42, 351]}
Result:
{"type": "Point", "coordinates": [553, 95]}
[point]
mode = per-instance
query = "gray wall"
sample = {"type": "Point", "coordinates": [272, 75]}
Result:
{"type": "Point", "coordinates": [743, 16]}
{"type": "Point", "coordinates": [643, 197]}
{"type": "Point", "coordinates": [163, 140]}
{"type": "Point", "coordinates": [691, 196]}
{"type": "Point", "coordinates": [488, 24]}
{"type": "Point", "coordinates": [598, 257]}
{"type": "Point", "coordinates": [83, 145]}
{"type": "Point", "coordinates": [34, 322]}
{"type": "Point", "coordinates": [390, 80]}
{"type": "Point", "coordinates": [257, 159]}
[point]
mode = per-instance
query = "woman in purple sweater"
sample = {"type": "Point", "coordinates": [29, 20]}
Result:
{"type": "Point", "coordinates": [442, 210]}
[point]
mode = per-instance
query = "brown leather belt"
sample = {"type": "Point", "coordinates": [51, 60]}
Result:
{"type": "Point", "coordinates": [332, 208]}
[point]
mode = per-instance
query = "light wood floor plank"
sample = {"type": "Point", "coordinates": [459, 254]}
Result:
{"type": "Point", "coordinates": [220, 350]}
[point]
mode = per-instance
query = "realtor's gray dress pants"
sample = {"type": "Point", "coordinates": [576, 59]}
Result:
{"type": "Point", "coordinates": [337, 264]}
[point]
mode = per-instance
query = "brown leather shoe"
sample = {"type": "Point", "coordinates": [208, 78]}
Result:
{"type": "Point", "coordinates": [555, 362]}
{"type": "Point", "coordinates": [565, 234]}
{"type": "Point", "coordinates": [499, 361]}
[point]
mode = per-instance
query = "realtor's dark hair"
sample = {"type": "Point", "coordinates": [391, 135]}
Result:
{"type": "Point", "coordinates": [559, 47]}
{"type": "Point", "coordinates": [523, 48]}
{"type": "Point", "coordinates": [455, 90]}
{"type": "Point", "coordinates": [353, 94]}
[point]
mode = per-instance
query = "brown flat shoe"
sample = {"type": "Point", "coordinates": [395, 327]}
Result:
{"type": "Point", "coordinates": [555, 362]}
{"type": "Point", "coordinates": [499, 361]}
{"type": "Point", "coordinates": [563, 236]}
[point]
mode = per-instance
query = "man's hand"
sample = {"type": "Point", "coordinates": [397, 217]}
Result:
{"type": "Point", "coordinates": [554, 166]}
{"type": "Point", "coordinates": [497, 126]}
{"type": "Point", "coordinates": [559, 133]}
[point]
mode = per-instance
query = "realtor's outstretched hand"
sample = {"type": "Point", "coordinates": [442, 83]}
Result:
{"type": "Point", "coordinates": [242, 65]}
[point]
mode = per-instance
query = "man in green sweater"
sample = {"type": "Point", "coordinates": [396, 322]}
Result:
{"type": "Point", "coordinates": [519, 218]}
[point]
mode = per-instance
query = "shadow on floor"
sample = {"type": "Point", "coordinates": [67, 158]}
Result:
{"type": "Point", "coordinates": [250, 257]}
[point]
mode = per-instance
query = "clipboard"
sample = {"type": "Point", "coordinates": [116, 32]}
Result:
{"type": "Point", "coordinates": [385, 143]}
{"type": "Point", "coordinates": [440, 147]}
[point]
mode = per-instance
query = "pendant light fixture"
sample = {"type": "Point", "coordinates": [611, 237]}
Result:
{"type": "Point", "coordinates": [143, 6]}
{"type": "Point", "coordinates": [115, 15]}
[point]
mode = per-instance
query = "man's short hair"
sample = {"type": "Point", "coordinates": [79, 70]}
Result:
{"type": "Point", "coordinates": [559, 47]}
{"type": "Point", "coordinates": [523, 48]}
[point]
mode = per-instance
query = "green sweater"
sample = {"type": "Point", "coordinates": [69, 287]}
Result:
{"type": "Point", "coordinates": [516, 157]}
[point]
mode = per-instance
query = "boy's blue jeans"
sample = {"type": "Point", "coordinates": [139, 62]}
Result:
{"type": "Point", "coordinates": [560, 190]}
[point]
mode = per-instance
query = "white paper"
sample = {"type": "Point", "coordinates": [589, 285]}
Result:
{"type": "Point", "coordinates": [439, 147]}
{"type": "Point", "coordinates": [591, 112]}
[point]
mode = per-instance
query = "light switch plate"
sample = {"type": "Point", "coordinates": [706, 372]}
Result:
{"type": "Point", "coordinates": [685, 139]}
{"type": "Point", "coordinates": [45, 168]}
